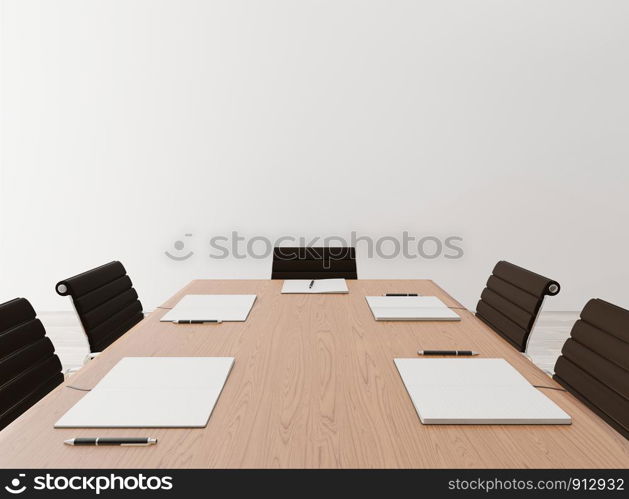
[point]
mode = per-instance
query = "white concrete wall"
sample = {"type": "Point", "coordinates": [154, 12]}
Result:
{"type": "Point", "coordinates": [126, 124]}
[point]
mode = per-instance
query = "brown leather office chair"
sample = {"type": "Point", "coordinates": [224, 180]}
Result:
{"type": "Point", "coordinates": [594, 362]}
{"type": "Point", "coordinates": [105, 301]}
{"type": "Point", "coordinates": [29, 368]}
{"type": "Point", "coordinates": [511, 301]}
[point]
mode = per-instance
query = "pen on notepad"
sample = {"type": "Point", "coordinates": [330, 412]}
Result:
{"type": "Point", "coordinates": [456, 353]}
{"type": "Point", "coordinates": [311, 284]}
{"type": "Point", "coordinates": [209, 321]}
{"type": "Point", "coordinates": [401, 294]}
{"type": "Point", "coordinates": [97, 441]}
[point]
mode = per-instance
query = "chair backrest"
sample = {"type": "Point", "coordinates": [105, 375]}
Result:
{"type": "Point", "coordinates": [29, 368]}
{"type": "Point", "coordinates": [594, 362]}
{"type": "Point", "coordinates": [511, 301]}
{"type": "Point", "coordinates": [106, 302]}
{"type": "Point", "coordinates": [314, 263]}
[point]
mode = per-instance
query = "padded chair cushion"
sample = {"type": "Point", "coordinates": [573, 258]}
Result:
{"type": "Point", "coordinates": [314, 263]}
{"type": "Point", "coordinates": [106, 302]}
{"type": "Point", "coordinates": [594, 362]}
{"type": "Point", "coordinates": [29, 368]}
{"type": "Point", "coordinates": [511, 301]}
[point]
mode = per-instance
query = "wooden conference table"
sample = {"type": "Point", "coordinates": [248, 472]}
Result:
{"type": "Point", "coordinates": [314, 386]}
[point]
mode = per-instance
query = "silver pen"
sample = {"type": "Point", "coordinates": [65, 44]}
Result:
{"type": "Point", "coordinates": [123, 442]}
{"type": "Point", "coordinates": [206, 321]}
{"type": "Point", "coordinates": [456, 353]}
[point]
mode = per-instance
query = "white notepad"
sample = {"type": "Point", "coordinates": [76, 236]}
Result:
{"type": "Point", "coordinates": [320, 286]}
{"type": "Point", "coordinates": [152, 392]}
{"type": "Point", "coordinates": [475, 391]}
{"type": "Point", "coordinates": [410, 308]}
{"type": "Point", "coordinates": [211, 307]}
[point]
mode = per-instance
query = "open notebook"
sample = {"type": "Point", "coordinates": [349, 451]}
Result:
{"type": "Point", "coordinates": [152, 392]}
{"type": "Point", "coordinates": [319, 286]}
{"type": "Point", "coordinates": [211, 307]}
{"type": "Point", "coordinates": [410, 308]}
{"type": "Point", "coordinates": [475, 391]}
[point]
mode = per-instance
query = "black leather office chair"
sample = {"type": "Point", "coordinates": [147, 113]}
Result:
{"type": "Point", "coordinates": [29, 368]}
{"type": "Point", "coordinates": [314, 263]}
{"type": "Point", "coordinates": [105, 301]}
{"type": "Point", "coordinates": [594, 362]}
{"type": "Point", "coordinates": [511, 301]}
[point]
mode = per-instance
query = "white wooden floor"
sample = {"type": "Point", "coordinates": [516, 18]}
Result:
{"type": "Point", "coordinates": [550, 332]}
{"type": "Point", "coordinates": [66, 333]}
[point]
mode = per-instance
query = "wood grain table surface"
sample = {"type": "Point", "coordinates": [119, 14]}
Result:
{"type": "Point", "coordinates": [314, 385]}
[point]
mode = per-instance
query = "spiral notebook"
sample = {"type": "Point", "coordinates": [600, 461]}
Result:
{"type": "Point", "coordinates": [410, 308]}
{"type": "Point", "coordinates": [475, 391]}
{"type": "Point", "coordinates": [152, 392]}
{"type": "Point", "coordinates": [319, 286]}
{"type": "Point", "coordinates": [211, 307]}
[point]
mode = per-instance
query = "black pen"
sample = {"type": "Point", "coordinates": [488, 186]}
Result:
{"type": "Point", "coordinates": [401, 294]}
{"type": "Point", "coordinates": [98, 441]}
{"type": "Point", "coordinates": [456, 353]}
{"type": "Point", "coordinates": [211, 321]}
{"type": "Point", "coordinates": [311, 284]}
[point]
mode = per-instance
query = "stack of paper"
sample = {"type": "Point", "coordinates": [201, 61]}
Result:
{"type": "Point", "coordinates": [319, 286]}
{"type": "Point", "coordinates": [152, 392]}
{"type": "Point", "coordinates": [410, 308]}
{"type": "Point", "coordinates": [475, 391]}
{"type": "Point", "coordinates": [211, 308]}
